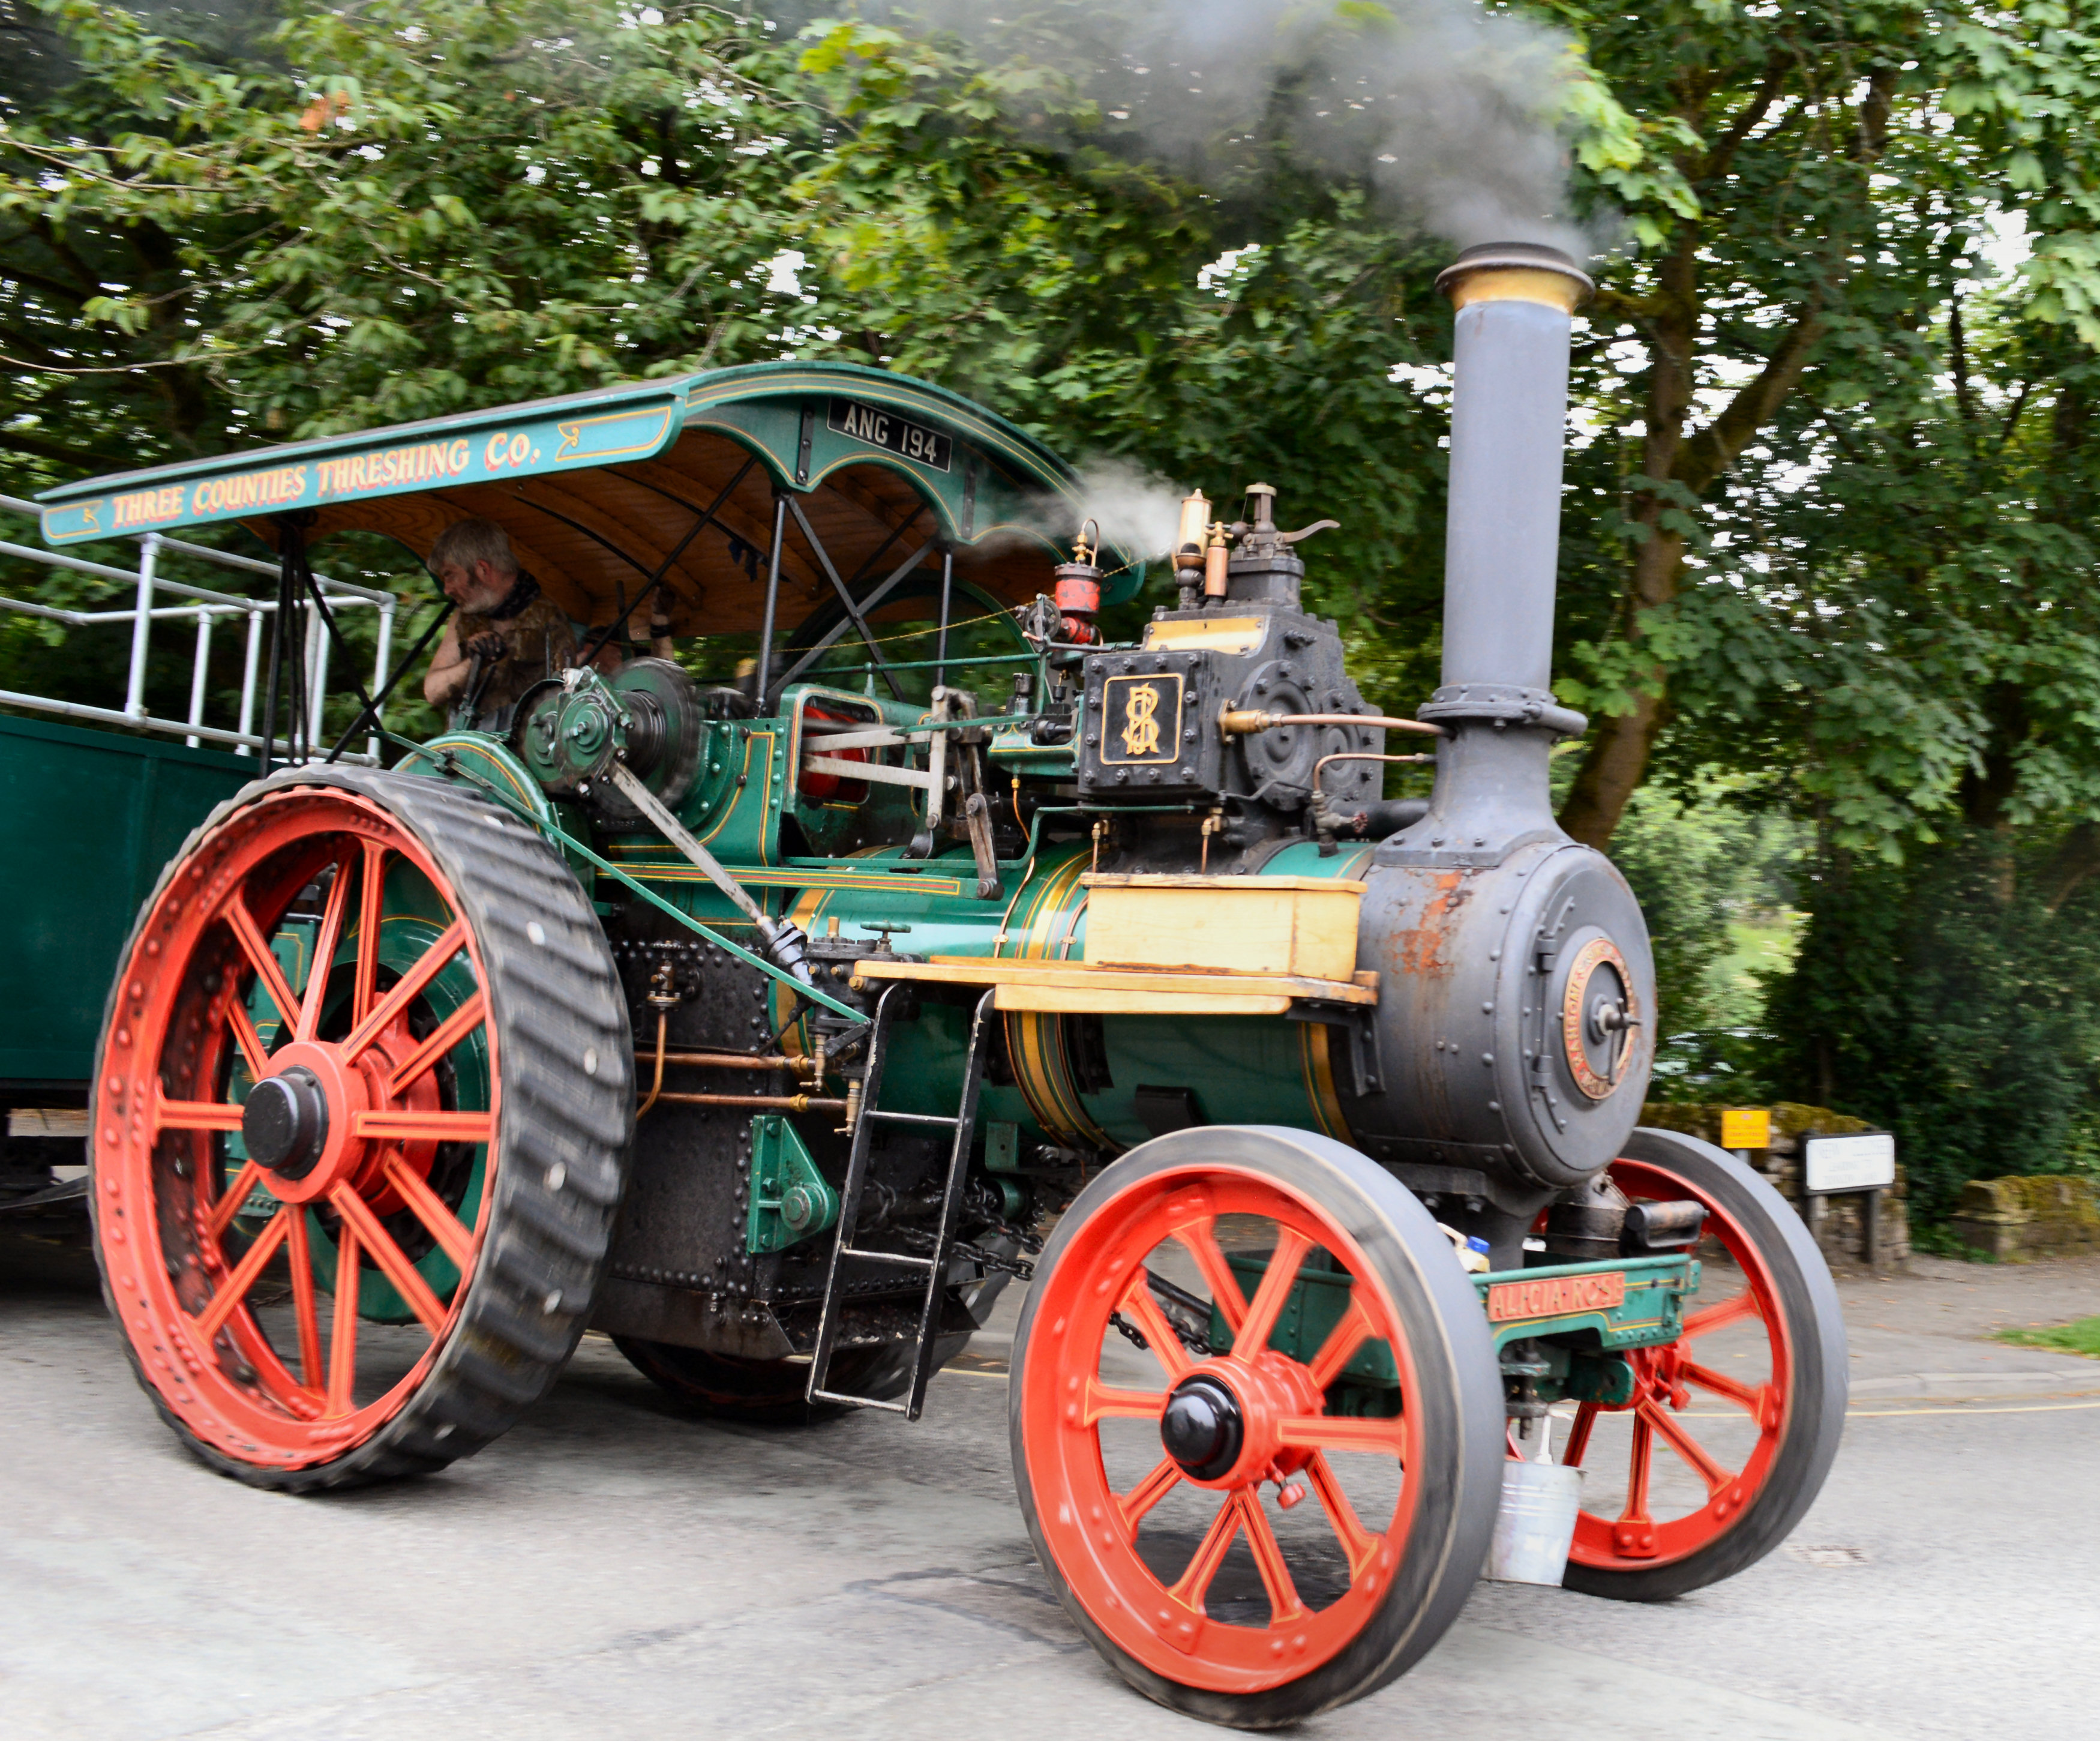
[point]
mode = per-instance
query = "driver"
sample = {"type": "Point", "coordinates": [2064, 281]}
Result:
{"type": "Point", "coordinates": [506, 636]}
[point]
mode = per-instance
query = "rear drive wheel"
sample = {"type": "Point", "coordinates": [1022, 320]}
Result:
{"type": "Point", "coordinates": [362, 1104]}
{"type": "Point", "coordinates": [1357, 1370]}
{"type": "Point", "coordinates": [1745, 1408]}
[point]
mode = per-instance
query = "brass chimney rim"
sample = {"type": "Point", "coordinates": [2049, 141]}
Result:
{"type": "Point", "coordinates": [1516, 272]}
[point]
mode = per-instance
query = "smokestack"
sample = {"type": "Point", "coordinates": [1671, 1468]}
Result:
{"type": "Point", "coordinates": [1509, 412]}
{"type": "Point", "coordinates": [1515, 302]}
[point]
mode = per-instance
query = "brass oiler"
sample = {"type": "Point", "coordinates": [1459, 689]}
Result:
{"type": "Point", "coordinates": [1216, 554]}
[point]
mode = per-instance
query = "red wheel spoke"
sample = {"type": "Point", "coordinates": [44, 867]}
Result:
{"type": "Point", "coordinates": [248, 1040]}
{"type": "Point", "coordinates": [1644, 1456]}
{"type": "Point", "coordinates": [301, 1259]}
{"type": "Point", "coordinates": [1746, 1396]}
{"type": "Point", "coordinates": [1712, 1318]}
{"type": "Point", "coordinates": [1384, 1437]}
{"type": "Point", "coordinates": [1200, 1238]}
{"type": "Point", "coordinates": [222, 1212]}
{"type": "Point", "coordinates": [331, 933]}
{"type": "Point", "coordinates": [1358, 1544]}
{"type": "Point", "coordinates": [195, 1115]}
{"type": "Point", "coordinates": [1349, 1334]}
{"type": "Point", "coordinates": [1284, 1605]}
{"type": "Point", "coordinates": [1133, 1505]}
{"type": "Point", "coordinates": [234, 1287]}
{"type": "Point", "coordinates": [426, 1127]}
{"type": "Point", "coordinates": [1578, 1434]}
{"type": "Point", "coordinates": [390, 1257]}
{"type": "Point", "coordinates": [371, 893]}
{"type": "Point", "coordinates": [1159, 1337]}
{"type": "Point", "coordinates": [433, 962]}
{"type": "Point", "coordinates": [256, 947]}
{"type": "Point", "coordinates": [1190, 1588]}
{"type": "Point", "coordinates": [453, 1239]}
{"type": "Point", "coordinates": [342, 1340]}
{"type": "Point", "coordinates": [1251, 1335]}
{"type": "Point", "coordinates": [454, 1028]}
{"type": "Point", "coordinates": [1674, 1435]}
{"type": "Point", "coordinates": [1109, 1402]}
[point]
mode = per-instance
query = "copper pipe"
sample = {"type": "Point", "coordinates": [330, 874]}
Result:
{"type": "Point", "coordinates": [1358, 755]}
{"type": "Point", "coordinates": [1243, 721]}
{"type": "Point", "coordinates": [656, 1088]}
{"type": "Point", "coordinates": [731, 1061]}
{"type": "Point", "coordinates": [787, 1102]}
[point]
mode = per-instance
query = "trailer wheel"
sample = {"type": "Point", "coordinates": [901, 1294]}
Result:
{"type": "Point", "coordinates": [1142, 1473]}
{"type": "Point", "coordinates": [359, 1131]}
{"type": "Point", "coordinates": [1745, 1407]}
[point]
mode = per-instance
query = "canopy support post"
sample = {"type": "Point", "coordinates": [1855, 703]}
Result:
{"type": "Point", "coordinates": [772, 599]}
{"type": "Point", "coordinates": [947, 590]}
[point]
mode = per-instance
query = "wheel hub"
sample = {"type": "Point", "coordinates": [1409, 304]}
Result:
{"type": "Point", "coordinates": [285, 1122]}
{"type": "Point", "coordinates": [1203, 1427]}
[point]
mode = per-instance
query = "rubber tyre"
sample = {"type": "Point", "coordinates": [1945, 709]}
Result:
{"type": "Point", "coordinates": [1456, 1398]}
{"type": "Point", "coordinates": [1819, 1380]}
{"type": "Point", "coordinates": [564, 1120]}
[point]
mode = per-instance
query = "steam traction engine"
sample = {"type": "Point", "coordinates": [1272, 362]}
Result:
{"type": "Point", "coordinates": [770, 1026]}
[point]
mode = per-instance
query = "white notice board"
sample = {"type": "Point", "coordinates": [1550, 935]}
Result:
{"type": "Point", "coordinates": [1856, 1163]}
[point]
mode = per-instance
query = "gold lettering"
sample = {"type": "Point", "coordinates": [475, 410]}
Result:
{"type": "Point", "coordinates": [1140, 730]}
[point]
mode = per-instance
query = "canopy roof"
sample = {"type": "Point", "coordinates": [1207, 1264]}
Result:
{"type": "Point", "coordinates": [599, 491]}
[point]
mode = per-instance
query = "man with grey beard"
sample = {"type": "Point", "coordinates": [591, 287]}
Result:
{"type": "Point", "coordinates": [507, 635]}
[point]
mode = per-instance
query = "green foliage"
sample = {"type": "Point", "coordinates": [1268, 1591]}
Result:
{"type": "Point", "coordinates": [1964, 1017]}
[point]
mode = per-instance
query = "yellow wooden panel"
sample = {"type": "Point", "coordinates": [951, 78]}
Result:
{"type": "Point", "coordinates": [1095, 1000]}
{"type": "Point", "coordinates": [1305, 926]}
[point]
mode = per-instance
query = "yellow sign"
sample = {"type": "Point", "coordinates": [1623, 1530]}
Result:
{"type": "Point", "coordinates": [1140, 727]}
{"type": "Point", "coordinates": [1745, 1128]}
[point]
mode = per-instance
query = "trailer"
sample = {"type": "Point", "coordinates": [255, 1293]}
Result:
{"type": "Point", "coordinates": [771, 1006]}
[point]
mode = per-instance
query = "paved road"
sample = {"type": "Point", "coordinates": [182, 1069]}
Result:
{"type": "Point", "coordinates": [609, 1569]}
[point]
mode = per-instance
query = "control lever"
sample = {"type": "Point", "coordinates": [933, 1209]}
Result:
{"type": "Point", "coordinates": [786, 942]}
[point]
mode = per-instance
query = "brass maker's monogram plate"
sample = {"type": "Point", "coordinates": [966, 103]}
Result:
{"type": "Point", "coordinates": [1141, 719]}
{"type": "Point", "coordinates": [884, 429]}
{"type": "Point", "coordinates": [1557, 1296]}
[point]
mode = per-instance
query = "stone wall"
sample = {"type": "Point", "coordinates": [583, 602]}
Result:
{"type": "Point", "coordinates": [2017, 1219]}
{"type": "Point", "coordinates": [1840, 1224]}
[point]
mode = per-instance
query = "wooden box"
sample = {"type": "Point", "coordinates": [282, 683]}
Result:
{"type": "Point", "coordinates": [1305, 926]}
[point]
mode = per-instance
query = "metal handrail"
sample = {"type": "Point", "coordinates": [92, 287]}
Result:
{"type": "Point", "coordinates": [209, 606]}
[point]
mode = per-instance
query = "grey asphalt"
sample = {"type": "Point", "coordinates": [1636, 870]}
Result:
{"type": "Point", "coordinates": [611, 1569]}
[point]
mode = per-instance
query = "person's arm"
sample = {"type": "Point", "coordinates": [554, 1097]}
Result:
{"type": "Point", "coordinates": [446, 677]}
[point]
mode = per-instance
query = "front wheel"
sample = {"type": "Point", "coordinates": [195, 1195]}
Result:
{"type": "Point", "coordinates": [1256, 1423]}
{"type": "Point", "coordinates": [1728, 1432]}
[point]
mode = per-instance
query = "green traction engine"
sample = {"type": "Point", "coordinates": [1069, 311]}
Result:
{"type": "Point", "coordinates": [774, 1006]}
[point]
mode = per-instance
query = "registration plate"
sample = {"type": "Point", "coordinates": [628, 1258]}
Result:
{"type": "Point", "coordinates": [884, 429]}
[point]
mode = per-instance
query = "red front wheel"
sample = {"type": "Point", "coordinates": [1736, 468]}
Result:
{"type": "Point", "coordinates": [1256, 1423]}
{"type": "Point", "coordinates": [1725, 1435]}
{"type": "Point", "coordinates": [358, 1122]}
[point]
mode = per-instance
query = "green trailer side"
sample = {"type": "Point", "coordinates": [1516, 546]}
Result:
{"type": "Point", "coordinates": [92, 818]}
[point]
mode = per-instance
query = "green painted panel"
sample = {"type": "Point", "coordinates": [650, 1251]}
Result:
{"type": "Point", "coordinates": [497, 446]}
{"type": "Point", "coordinates": [92, 818]}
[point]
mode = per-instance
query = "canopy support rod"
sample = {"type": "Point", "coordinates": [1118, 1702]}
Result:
{"type": "Point", "coordinates": [874, 598]}
{"type": "Point", "coordinates": [370, 713]}
{"type": "Point", "coordinates": [663, 568]}
{"type": "Point", "coordinates": [290, 545]}
{"type": "Point", "coordinates": [947, 592]}
{"type": "Point", "coordinates": [846, 598]}
{"type": "Point", "coordinates": [772, 599]}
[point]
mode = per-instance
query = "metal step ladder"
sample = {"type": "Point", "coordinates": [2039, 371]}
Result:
{"type": "Point", "coordinates": [934, 1264]}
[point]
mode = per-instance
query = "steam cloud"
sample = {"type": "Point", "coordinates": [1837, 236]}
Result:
{"type": "Point", "coordinates": [1448, 111]}
{"type": "Point", "coordinates": [1139, 512]}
